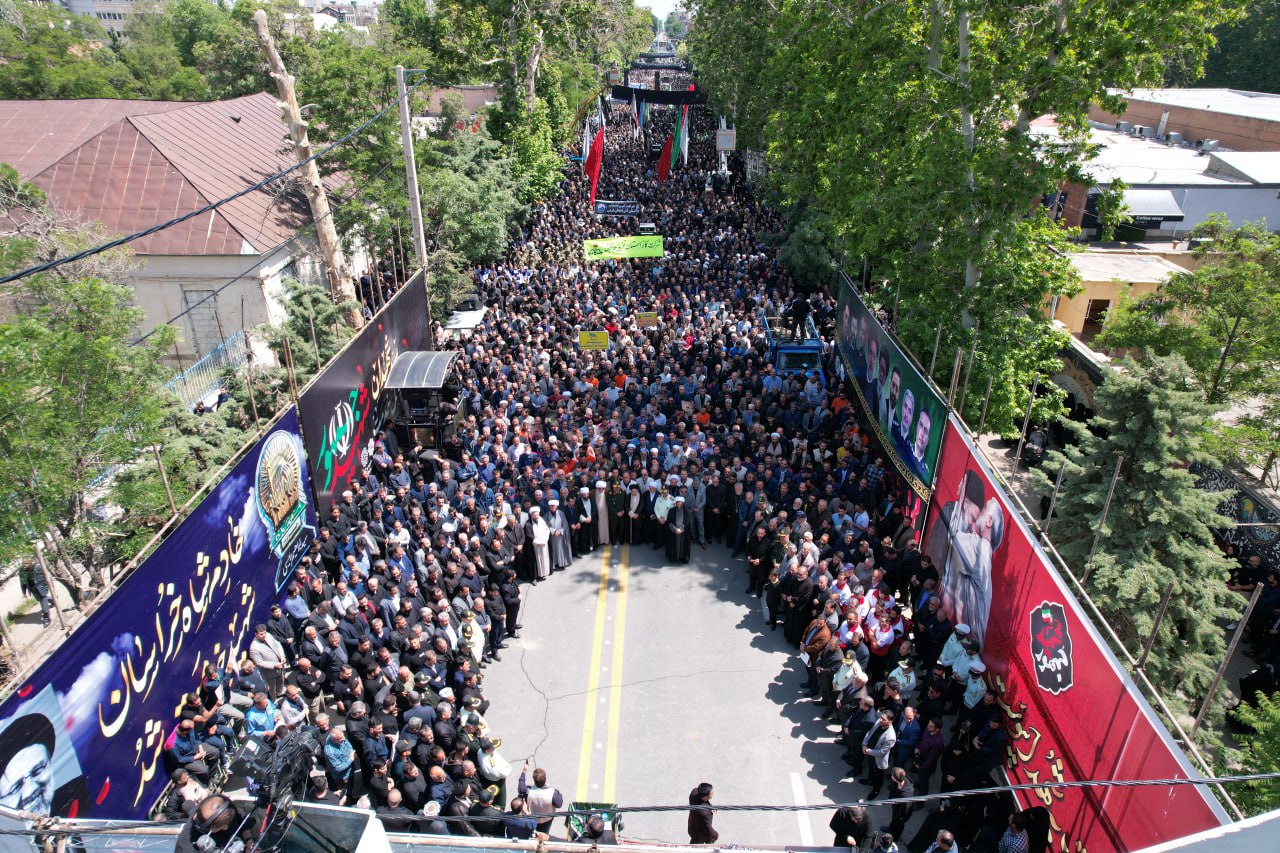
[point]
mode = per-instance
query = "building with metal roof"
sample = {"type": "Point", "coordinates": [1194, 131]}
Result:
{"type": "Point", "coordinates": [130, 165]}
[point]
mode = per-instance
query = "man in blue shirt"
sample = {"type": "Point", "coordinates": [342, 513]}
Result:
{"type": "Point", "coordinates": [262, 717]}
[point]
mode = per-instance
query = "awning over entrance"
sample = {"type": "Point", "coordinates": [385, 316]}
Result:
{"type": "Point", "coordinates": [420, 369]}
{"type": "Point", "coordinates": [1150, 208]}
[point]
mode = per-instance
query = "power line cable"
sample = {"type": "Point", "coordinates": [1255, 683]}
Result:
{"type": "Point", "coordinates": [127, 826]}
{"type": "Point", "coordinates": [137, 235]}
{"type": "Point", "coordinates": [247, 270]}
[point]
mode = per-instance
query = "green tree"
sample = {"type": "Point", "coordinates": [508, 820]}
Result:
{"type": "Point", "coordinates": [78, 397]}
{"type": "Point", "coordinates": [151, 53]}
{"type": "Point", "coordinates": [1223, 318]}
{"type": "Point", "coordinates": [910, 127]}
{"type": "Point", "coordinates": [47, 53]}
{"type": "Point", "coordinates": [1245, 55]}
{"type": "Point", "coordinates": [1259, 753]}
{"type": "Point", "coordinates": [1158, 530]}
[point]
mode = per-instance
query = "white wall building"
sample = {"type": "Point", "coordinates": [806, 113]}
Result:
{"type": "Point", "coordinates": [132, 164]}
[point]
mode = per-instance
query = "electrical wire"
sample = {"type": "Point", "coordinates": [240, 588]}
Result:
{"type": "Point", "coordinates": [310, 227]}
{"type": "Point", "coordinates": [137, 235]}
{"type": "Point", "coordinates": [128, 826]}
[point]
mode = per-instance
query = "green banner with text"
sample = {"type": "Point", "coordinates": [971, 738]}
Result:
{"type": "Point", "coordinates": [642, 246]}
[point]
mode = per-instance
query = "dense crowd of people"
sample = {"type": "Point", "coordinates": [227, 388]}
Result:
{"type": "Point", "coordinates": [680, 436]}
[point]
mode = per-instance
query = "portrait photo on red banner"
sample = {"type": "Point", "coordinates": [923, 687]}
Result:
{"type": "Point", "coordinates": [1071, 711]}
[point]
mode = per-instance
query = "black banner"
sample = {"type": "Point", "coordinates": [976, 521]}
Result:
{"type": "Point", "coordinates": [617, 208]}
{"type": "Point", "coordinates": [654, 96]}
{"type": "Point", "coordinates": [347, 403]}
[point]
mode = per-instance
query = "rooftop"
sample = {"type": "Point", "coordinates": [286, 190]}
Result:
{"type": "Point", "coordinates": [1145, 162]}
{"type": "Point", "coordinates": [1236, 102]}
{"type": "Point", "coordinates": [134, 164]}
{"type": "Point", "coordinates": [1123, 266]}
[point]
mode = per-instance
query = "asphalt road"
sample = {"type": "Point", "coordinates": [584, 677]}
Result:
{"type": "Point", "coordinates": [632, 681]}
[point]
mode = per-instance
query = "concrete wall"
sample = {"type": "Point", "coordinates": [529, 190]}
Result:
{"type": "Point", "coordinates": [1234, 132]}
{"type": "Point", "coordinates": [1071, 312]}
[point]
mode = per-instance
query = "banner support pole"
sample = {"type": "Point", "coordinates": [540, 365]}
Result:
{"type": "Point", "coordinates": [1155, 628]}
{"type": "Point", "coordinates": [937, 341]}
{"type": "Point", "coordinates": [1026, 422]}
{"type": "Point", "coordinates": [955, 377]}
{"type": "Point", "coordinates": [986, 400]}
{"type": "Point", "coordinates": [1106, 507]}
{"type": "Point", "coordinates": [1226, 658]}
{"type": "Point", "coordinates": [164, 478]}
{"type": "Point", "coordinates": [968, 371]}
{"type": "Point", "coordinates": [1053, 499]}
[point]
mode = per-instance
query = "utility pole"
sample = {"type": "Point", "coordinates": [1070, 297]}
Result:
{"type": "Point", "coordinates": [341, 287]}
{"type": "Point", "coordinates": [411, 182]}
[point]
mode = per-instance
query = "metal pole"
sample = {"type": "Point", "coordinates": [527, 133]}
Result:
{"type": "Point", "coordinates": [937, 341]}
{"type": "Point", "coordinates": [1053, 499]}
{"type": "Point", "coordinates": [1231, 649]}
{"type": "Point", "coordinates": [315, 346]}
{"type": "Point", "coordinates": [288, 364]}
{"type": "Point", "coordinates": [411, 182]}
{"type": "Point", "coordinates": [53, 590]}
{"type": "Point", "coordinates": [1155, 629]}
{"type": "Point", "coordinates": [1026, 422]}
{"type": "Point", "coordinates": [248, 383]}
{"type": "Point", "coordinates": [955, 376]}
{"type": "Point", "coordinates": [164, 478]}
{"type": "Point", "coordinates": [1106, 507]}
{"type": "Point", "coordinates": [986, 400]}
{"type": "Point", "coordinates": [8, 640]}
{"type": "Point", "coordinates": [968, 371]}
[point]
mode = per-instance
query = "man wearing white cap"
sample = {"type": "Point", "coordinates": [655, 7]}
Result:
{"type": "Point", "coordinates": [538, 533]}
{"type": "Point", "coordinates": [561, 550]}
{"type": "Point", "coordinates": [953, 650]}
{"type": "Point", "coordinates": [583, 517]}
{"type": "Point", "coordinates": [600, 503]}
{"type": "Point", "coordinates": [678, 531]}
{"type": "Point", "coordinates": [973, 691]}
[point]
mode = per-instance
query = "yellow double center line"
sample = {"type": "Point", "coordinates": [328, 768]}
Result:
{"type": "Point", "coordinates": [615, 681]}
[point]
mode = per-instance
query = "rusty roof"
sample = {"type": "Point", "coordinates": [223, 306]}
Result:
{"type": "Point", "coordinates": [474, 98]}
{"type": "Point", "coordinates": [134, 164]}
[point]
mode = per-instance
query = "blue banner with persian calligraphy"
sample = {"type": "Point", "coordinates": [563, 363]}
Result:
{"type": "Point", "coordinates": [85, 735]}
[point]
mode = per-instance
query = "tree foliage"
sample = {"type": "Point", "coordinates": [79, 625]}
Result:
{"type": "Point", "coordinates": [1259, 753]}
{"type": "Point", "coordinates": [1245, 55]}
{"type": "Point", "coordinates": [909, 125]}
{"type": "Point", "coordinates": [1158, 530]}
{"type": "Point", "coordinates": [1223, 318]}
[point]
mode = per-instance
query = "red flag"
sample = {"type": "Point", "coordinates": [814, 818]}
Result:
{"type": "Point", "coordinates": [664, 159]}
{"type": "Point", "coordinates": [594, 161]}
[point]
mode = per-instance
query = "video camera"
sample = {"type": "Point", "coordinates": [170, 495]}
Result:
{"type": "Point", "coordinates": [279, 769]}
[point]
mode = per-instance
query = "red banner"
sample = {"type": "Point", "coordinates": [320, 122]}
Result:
{"type": "Point", "coordinates": [1073, 712]}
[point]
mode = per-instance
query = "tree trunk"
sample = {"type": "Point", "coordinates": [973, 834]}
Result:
{"type": "Point", "coordinates": [341, 288]}
{"type": "Point", "coordinates": [1212, 395]}
{"type": "Point", "coordinates": [62, 571]}
{"type": "Point", "coordinates": [531, 70]}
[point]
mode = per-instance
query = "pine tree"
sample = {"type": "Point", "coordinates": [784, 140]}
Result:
{"type": "Point", "coordinates": [1259, 753]}
{"type": "Point", "coordinates": [1158, 528]}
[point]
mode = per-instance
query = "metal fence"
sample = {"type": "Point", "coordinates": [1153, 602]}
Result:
{"type": "Point", "coordinates": [201, 379]}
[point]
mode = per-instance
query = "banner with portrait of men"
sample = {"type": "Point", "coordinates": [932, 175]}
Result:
{"type": "Point", "coordinates": [903, 408]}
{"type": "Point", "coordinates": [1070, 710]}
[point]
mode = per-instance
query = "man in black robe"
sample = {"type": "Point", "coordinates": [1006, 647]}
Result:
{"type": "Point", "coordinates": [583, 520]}
{"type": "Point", "coordinates": [678, 532]}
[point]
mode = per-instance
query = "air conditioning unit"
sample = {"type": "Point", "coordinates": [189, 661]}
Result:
{"type": "Point", "coordinates": [1137, 130]}
{"type": "Point", "coordinates": [1147, 132]}
{"type": "Point", "coordinates": [1124, 127]}
{"type": "Point", "coordinates": [1210, 145]}
{"type": "Point", "coordinates": [1174, 139]}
